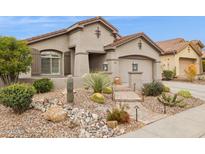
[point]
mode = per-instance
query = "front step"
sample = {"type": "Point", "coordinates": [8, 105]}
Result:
{"type": "Point", "coordinates": [126, 96]}
{"type": "Point", "coordinates": [122, 88]}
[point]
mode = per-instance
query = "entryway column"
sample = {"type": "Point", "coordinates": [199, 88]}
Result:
{"type": "Point", "coordinates": [156, 71]}
{"type": "Point", "coordinates": [81, 64]}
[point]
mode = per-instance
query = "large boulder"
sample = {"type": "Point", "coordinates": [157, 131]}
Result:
{"type": "Point", "coordinates": [55, 114]}
{"type": "Point", "coordinates": [98, 98]}
{"type": "Point", "coordinates": [112, 124]}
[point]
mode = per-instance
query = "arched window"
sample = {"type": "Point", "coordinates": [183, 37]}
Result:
{"type": "Point", "coordinates": [50, 62]}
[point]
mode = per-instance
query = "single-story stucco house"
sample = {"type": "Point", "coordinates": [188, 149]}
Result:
{"type": "Point", "coordinates": [179, 54]}
{"type": "Point", "coordinates": [94, 45]}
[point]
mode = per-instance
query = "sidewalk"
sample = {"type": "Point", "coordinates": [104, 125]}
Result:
{"type": "Point", "coordinates": [187, 124]}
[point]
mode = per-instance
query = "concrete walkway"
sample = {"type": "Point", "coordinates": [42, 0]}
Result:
{"type": "Point", "coordinates": [144, 115]}
{"type": "Point", "coordinates": [187, 124]}
{"type": "Point", "coordinates": [197, 90]}
{"type": "Point", "coordinates": [123, 94]}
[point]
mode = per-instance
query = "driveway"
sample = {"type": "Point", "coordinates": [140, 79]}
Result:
{"type": "Point", "coordinates": [189, 123]}
{"type": "Point", "coordinates": [197, 90]}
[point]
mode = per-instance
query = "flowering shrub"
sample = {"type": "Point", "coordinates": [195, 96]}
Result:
{"type": "Point", "coordinates": [191, 72]}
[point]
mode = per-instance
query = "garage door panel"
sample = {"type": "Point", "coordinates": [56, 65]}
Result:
{"type": "Point", "coordinates": [144, 66]}
{"type": "Point", "coordinates": [183, 64]}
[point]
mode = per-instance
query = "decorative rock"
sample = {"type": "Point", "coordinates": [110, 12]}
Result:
{"type": "Point", "coordinates": [95, 117]}
{"type": "Point", "coordinates": [84, 134]}
{"type": "Point", "coordinates": [54, 101]}
{"type": "Point", "coordinates": [112, 124]}
{"type": "Point", "coordinates": [55, 114]}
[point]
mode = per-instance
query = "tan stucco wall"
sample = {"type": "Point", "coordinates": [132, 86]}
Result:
{"type": "Point", "coordinates": [59, 43]}
{"type": "Point", "coordinates": [167, 62]}
{"type": "Point", "coordinates": [86, 41]}
{"type": "Point", "coordinates": [185, 54]}
{"type": "Point", "coordinates": [171, 61]}
{"type": "Point", "coordinates": [131, 48]}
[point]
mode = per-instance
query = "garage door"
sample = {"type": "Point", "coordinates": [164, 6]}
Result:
{"type": "Point", "coordinates": [183, 64]}
{"type": "Point", "coordinates": [144, 66]}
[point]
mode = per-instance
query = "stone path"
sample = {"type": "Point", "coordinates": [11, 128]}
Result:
{"type": "Point", "coordinates": [187, 124]}
{"type": "Point", "coordinates": [125, 95]}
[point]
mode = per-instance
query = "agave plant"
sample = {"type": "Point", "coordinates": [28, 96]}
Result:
{"type": "Point", "coordinates": [96, 81]}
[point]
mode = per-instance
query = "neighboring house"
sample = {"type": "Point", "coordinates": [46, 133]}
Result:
{"type": "Point", "coordinates": [179, 54]}
{"type": "Point", "coordinates": [203, 61]}
{"type": "Point", "coordinates": [95, 45]}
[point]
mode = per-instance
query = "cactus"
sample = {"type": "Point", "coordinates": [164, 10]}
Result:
{"type": "Point", "coordinates": [168, 100]}
{"type": "Point", "coordinates": [70, 96]}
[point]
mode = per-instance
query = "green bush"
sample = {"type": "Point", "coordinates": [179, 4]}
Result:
{"type": "Point", "coordinates": [98, 98]}
{"type": "Point", "coordinates": [96, 81]}
{"type": "Point", "coordinates": [107, 90]}
{"type": "Point", "coordinates": [17, 96]}
{"type": "Point", "coordinates": [166, 89]}
{"type": "Point", "coordinates": [168, 75]}
{"type": "Point", "coordinates": [153, 89]}
{"type": "Point", "coordinates": [184, 93]}
{"type": "Point", "coordinates": [43, 85]}
{"type": "Point", "coordinates": [171, 101]}
{"type": "Point", "coordinates": [119, 114]}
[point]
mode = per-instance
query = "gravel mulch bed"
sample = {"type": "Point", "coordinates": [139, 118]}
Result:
{"type": "Point", "coordinates": [32, 123]}
{"type": "Point", "coordinates": [154, 105]}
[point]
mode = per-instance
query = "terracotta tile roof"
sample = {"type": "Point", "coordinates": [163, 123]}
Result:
{"type": "Point", "coordinates": [47, 35]}
{"type": "Point", "coordinates": [98, 18]}
{"type": "Point", "coordinates": [79, 24]}
{"type": "Point", "coordinates": [198, 42]}
{"type": "Point", "coordinates": [176, 45]}
{"type": "Point", "coordinates": [128, 38]}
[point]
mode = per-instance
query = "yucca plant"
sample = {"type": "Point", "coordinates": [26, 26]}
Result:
{"type": "Point", "coordinates": [97, 81]}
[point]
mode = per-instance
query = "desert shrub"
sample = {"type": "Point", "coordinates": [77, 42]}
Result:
{"type": "Point", "coordinates": [153, 89]}
{"type": "Point", "coordinates": [168, 74]}
{"type": "Point", "coordinates": [98, 98]}
{"type": "Point", "coordinates": [174, 72]}
{"type": "Point", "coordinates": [119, 114]}
{"type": "Point", "coordinates": [166, 88]}
{"type": "Point", "coordinates": [97, 81]}
{"type": "Point", "coordinates": [171, 101]}
{"type": "Point", "coordinates": [17, 96]}
{"type": "Point", "coordinates": [107, 90]}
{"type": "Point", "coordinates": [201, 78]}
{"type": "Point", "coordinates": [43, 85]}
{"type": "Point", "coordinates": [191, 72]}
{"type": "Point", "coordinates": [184, 93]}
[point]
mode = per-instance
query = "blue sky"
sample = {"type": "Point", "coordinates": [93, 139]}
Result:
{"type": "Point", "coordinates": [158, 28]}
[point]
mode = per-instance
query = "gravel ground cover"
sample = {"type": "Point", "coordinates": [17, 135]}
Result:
{"type": "Point", "coordinates": [154, 105]}
{"type": "Point", "coordinates": [85, 118]}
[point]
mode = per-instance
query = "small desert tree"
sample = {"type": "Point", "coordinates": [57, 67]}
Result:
{"type": "Point", "coordinates": [191, 72]}
{"type": "Point", "coordinates": [15, 58]}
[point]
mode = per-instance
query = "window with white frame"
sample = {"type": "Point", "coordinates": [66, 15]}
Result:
{"type": "Point", "coordinates": [50, 63]}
